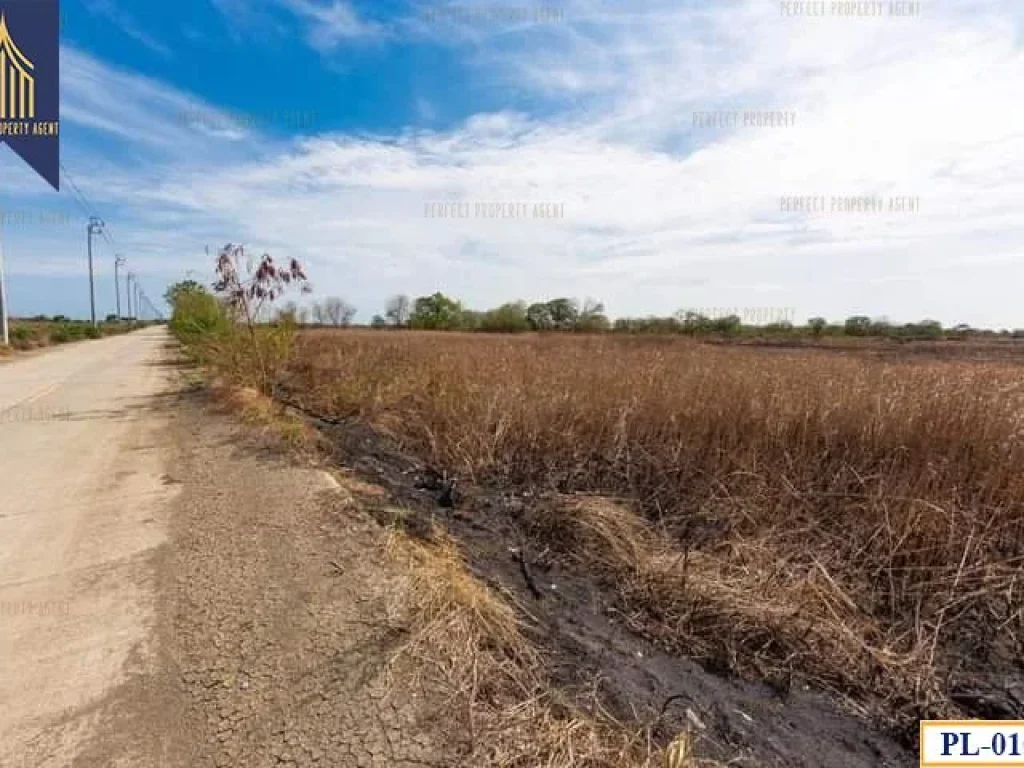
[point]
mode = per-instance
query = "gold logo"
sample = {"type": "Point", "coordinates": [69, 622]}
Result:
{"type": "Point", "coordinates": [17, 84]}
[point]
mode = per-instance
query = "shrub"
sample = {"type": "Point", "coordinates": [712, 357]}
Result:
{"type": "Point", "coordinates": [224, 331]}
{"type": "Point", "coordinates": [65, 332]}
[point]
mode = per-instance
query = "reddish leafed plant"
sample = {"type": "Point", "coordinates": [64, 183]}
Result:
{"type": "Point", "coordinates": [259, 285]}
{"type": "Point", "coordinates": [249, 287]}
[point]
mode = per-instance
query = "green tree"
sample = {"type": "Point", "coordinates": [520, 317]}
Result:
{"type": "Point", "coordinates": [508, 318]}
{"type": "Point", "coordinates": [781, 327]}
{"type": "Point", "coordinates": [929, 329]}
{"type": "Point", "coordinates": [592, 317]}
{"type": "Point", "coordinates": [183, 286]}
{"type": "Point", "coordinates": [693, 322]}
{"type": "Point", "coordinates": [436, 312]}
{"type": "Point", "coordinates": [539, 317]}
{"type": "Point", "coordinates": [470, 320]}
{"type": "Point", "coordinates": [857, 325]}
{"type": "Point", "coordinates": [729, 325]}
{"type": "Point", "coordinates": [881, 327]}
{"type": "Point", "coordinates": [564, 313]}
{"type": "Point", "coordinates": [196, 316]}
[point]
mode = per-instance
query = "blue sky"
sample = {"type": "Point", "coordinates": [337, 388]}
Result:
{"type": "Point", "coordinates": [324, 130]}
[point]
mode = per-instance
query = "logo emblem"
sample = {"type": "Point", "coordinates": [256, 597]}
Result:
{"type": "Point", "coordinates": [18, 86]}
{"type": "Point", "coordinates": [29, 83]}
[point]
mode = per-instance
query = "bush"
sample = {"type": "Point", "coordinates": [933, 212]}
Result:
{"type": "Point", "coordinates": [508, 318]}
{"type": "Point", "coordinates": [65, 333]}
{"type": "Point", "coordinates": [198, 318]}
{"type": "Point", "coordinates": [224, 331]}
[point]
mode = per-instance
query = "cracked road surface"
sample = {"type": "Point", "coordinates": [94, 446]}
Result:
{"type": "Point", "coordinates": [176, 592]}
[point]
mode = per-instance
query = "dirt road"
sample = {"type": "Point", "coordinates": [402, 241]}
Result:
{"type": "Point", "coordinates": [82, 502]}
{"type": "Point", "coordinates": [173, 594]}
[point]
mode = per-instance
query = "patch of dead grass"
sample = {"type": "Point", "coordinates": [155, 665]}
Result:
{"type": "Point", "coordinates": [469, 642]}
{"type": "Point", "coordinates": [261, 412]}
{"type": "Point", "coordinates": [738, 611]}
{"type": "Point", "coordinates": [854, 522]}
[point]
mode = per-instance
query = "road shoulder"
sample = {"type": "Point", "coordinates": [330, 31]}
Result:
{"type": "Point", "coordinates": [276, 622]}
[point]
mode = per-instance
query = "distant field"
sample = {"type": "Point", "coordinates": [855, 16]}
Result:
{"type": "Point", "coordinates": [32, 334]}
{"type": "Point", "coordinates": [854, 520]}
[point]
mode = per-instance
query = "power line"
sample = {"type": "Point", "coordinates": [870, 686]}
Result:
{"type": "Point", "coordinates": [104, 231]}
{"type": "Point", "coordinates": [79, 197]}
{"type": "Point", "coordinates": [83, 201]}
{"type": "Point", "coordinates": [90, 210]}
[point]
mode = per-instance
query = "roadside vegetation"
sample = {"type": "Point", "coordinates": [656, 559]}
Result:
{"type": "Point", "coordinates": [466, 640]}
{"type": "Point", "coordinates": [33, 333]}
{"type": "Point", "coordinates": [849, 523]}
{"type": "Point", "coordinates": [226, 328]}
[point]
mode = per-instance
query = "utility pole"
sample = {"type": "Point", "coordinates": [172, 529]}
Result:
{"type": "Point", "coordinates": [5, 337]}
{"type": "Point", "coordinates": [95, 227]}
{"type": "Point", "coordinates": [118, 263]}
{"type": "Point", "coordinates": [128, 294]}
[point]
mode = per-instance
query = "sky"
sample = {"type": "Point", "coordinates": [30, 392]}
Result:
{"type": "Point", "coordinates": [809, 158]}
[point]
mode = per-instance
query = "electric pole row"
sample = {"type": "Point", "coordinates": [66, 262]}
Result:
{"type": "Point", "coordinates": [133, 290]}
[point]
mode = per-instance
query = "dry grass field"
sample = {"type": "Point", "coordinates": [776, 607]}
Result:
{"type": "Point", "coordinates": [33, 334]}
{"type": "Point", "coordinates": [848, 522]}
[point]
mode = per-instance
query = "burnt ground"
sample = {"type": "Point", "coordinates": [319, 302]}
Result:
{"type": "Point", "coordinates": [592, 645]}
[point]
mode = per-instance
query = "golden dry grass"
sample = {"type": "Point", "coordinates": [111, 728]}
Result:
{"type": "Point", "coordinates": [468, 641]}
{"type": "Point", "coordinates": [261, 412]}
{"type": "Point", "coordinates": [852, 521]}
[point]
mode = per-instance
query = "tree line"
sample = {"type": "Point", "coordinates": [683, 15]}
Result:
{"type": "Point", "coordinates": [439, 312]}
{"type": "Point", "coordinates": [443, 313]}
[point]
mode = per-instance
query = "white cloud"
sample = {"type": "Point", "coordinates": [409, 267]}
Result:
{"type": "Point", "coordinates": [328, 23]}
{"type": "Point", "coordinates": [332, 23]}
{"type": "Point", "coordinates": [127, 23]}
{"type": "Point", "coordinates": [658, 214]}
